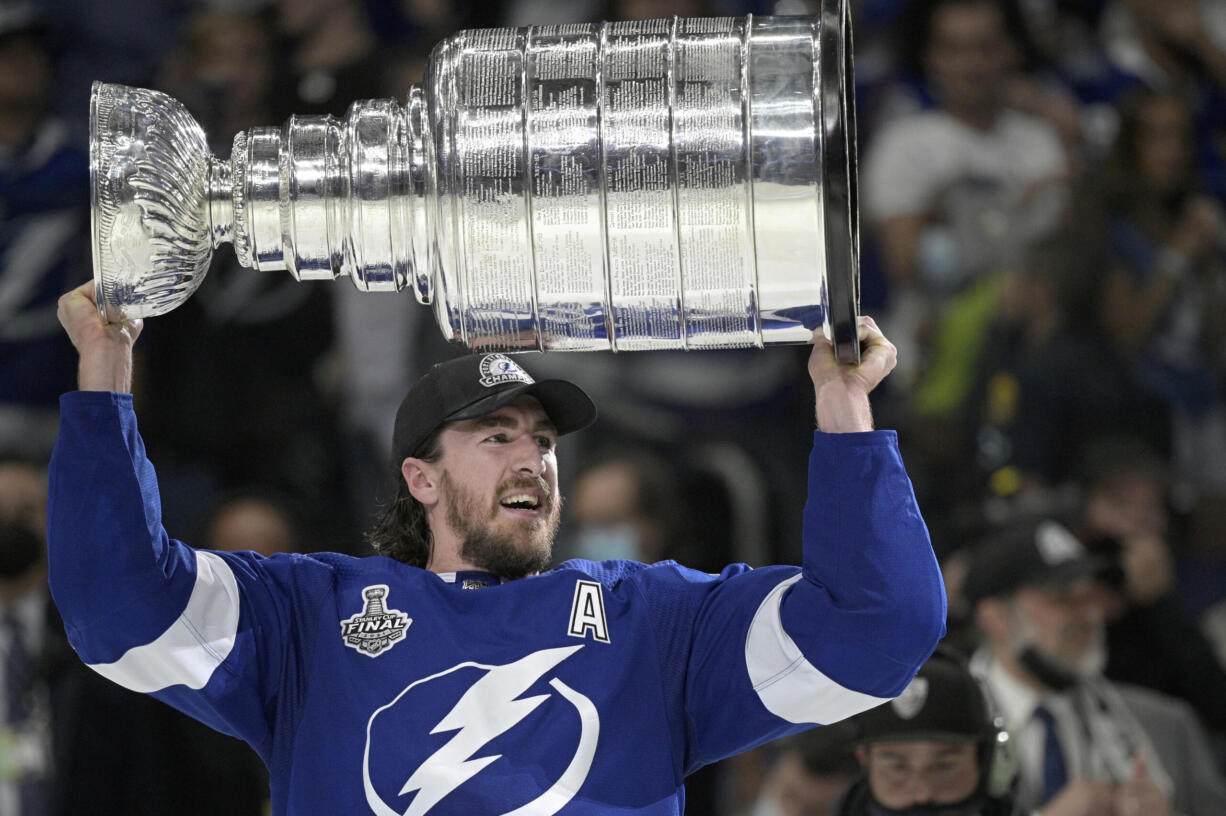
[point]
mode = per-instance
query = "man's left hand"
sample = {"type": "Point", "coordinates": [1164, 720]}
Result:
{"type": "Point", "coordinates": [842, 391]}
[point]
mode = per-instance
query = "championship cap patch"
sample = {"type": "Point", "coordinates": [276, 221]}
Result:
{"type": "Point", "coordinates": [499, 368]}
{"type": "Point", "coordinates": [1056, 544]}
{"type": "Point", "coordinates": [377, 627]}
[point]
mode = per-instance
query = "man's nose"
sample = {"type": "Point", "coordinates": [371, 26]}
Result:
{"type": "Point", "coordinates": [921, 790]}
{"type": "Point", "coordinates": [528, 458]}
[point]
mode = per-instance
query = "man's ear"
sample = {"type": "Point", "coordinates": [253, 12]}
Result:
{"type": "Point", "coordinates": [422, 478]}
{"type": "Point", "coordinates": [862, 755]}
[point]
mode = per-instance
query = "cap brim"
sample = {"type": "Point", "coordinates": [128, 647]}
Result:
{"type": "Point", "coordinates": [567, 405]}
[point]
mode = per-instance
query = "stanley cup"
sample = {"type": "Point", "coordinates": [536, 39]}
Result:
{"type": "Point", "coordinates": [662, 184]}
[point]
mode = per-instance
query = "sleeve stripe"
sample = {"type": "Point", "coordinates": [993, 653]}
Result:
{"type": "Point", "coordinates": [197, 642]}
{"type": "Point", "coordinates": [787, 684]}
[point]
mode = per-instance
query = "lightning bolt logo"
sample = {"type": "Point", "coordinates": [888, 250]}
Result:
{"type": "Point", "coordinates": [490, 707]}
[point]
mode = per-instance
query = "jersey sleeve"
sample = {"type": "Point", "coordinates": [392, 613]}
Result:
{"type": "Point", "coordinates": [752, 655]}
{"type": "Point", "coordinates": [213, 634]}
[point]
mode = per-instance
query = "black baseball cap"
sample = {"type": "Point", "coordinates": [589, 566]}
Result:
{"type": "Point", "coordinates": [1034, 553]}
{"type": "Point", "coordinates": [475, 385]}
{"type": "Point", "coordinates": [943, 703]}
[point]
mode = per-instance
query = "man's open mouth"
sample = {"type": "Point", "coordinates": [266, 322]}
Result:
{"type": "Point", "coordinates": [522, 502]}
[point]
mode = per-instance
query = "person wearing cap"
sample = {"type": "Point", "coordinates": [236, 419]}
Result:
{"type": "Point", "coordinates": [454, 672]}
{"type": "Point", "coordinates": [938, 748]}
{"type": "Point", "coordinates": [1086, 745]}
{"type": "Point", "coordinates": [807, 774]}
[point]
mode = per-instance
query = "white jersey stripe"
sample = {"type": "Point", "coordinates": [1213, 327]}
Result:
{"type": "Point", "coordinates": [787, 684]}
{"type": "Point", "coordinates": [197, 642]}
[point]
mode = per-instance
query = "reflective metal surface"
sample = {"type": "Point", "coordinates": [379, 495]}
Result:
{"type": "Point", "coordinates": [683, 183]}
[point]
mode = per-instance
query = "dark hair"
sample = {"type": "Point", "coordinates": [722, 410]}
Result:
{"type": "Point", "coordinates": [401, 531]}
{"type": "Point", "coordinates": [1123, 189]}
{"type": "Point", "coordinates": [912, 34]}
{"type": "Point", "coordinates": [826, 751]}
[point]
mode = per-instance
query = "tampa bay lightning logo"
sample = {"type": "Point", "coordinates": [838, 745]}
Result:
{"type": "Point", "coordinates": [489, 706]}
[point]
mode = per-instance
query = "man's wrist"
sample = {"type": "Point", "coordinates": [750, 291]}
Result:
{"type": "Point", "coordinates": [843, 408]}
{"type": "Point", "coordinates": [109, 371]}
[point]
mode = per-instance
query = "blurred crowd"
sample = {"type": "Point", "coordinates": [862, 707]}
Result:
{"type": "Point", "coordinates": [1042, 189]}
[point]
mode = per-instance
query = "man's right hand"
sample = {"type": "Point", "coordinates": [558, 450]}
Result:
{"type": "Point", "coordinates": [105, 349]}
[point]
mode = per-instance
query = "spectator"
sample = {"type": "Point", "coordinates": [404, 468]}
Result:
{"type": "Point", "coordinates": [1048, 378]}
{"type": "Point", "coordinates": [108, 41]}
{"type": "Point", "coordinates": [1069, 54]}
{"type": "Point", "coordinates": [1177, 47]}
{"type": "Point", "coordinates": [1086, 744]}
{"type": "Point", "coordinates": [1152, 641]}
{"type": "Point", "coordinates": [1168, 280]}
{"type": "Point", "coordinates": [62, 724]}
{"type": "Point", "coordinates": [44, 190]}
{"type": "Point", "coordinates": [208, 446]}
{"type": "Point", "coordinates": [222, 72]}
{"type": "Point", "coordinates": [328, 53]}
{"type": "Point", "coordinates": [808, 774]}
{"type": "Point", "coordinates": [939, 747]}
{"type": "Point", "coordinates": [253, 520]}
{"type": "Point", "coordinates": [26, 642]}
{"type": "Point", "coordinates": [628, 503]}
{"type": "Point", "coordinates": [329, 57]}
{"type": "Point", "coordinates": [954, 192]}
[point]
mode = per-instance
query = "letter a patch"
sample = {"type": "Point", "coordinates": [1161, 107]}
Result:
{"type": "Point", "coordinates": [377, 627]}
{"type": "Point", "coordinates": [587, 612]}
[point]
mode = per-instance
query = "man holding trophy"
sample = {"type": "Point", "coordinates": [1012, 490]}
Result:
{"type": "Point", "coordinates": [455, 672]}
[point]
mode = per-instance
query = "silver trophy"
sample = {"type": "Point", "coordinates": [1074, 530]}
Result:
{"type": "Point", "coordinates": [661, 184]}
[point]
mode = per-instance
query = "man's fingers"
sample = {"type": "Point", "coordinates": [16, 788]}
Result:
{"type": "Point", "coordinates": [77, 311]}
{"type": "Point", "coordinates": [85, 290]}
{"type": "Point", "coordinates": [818, 338]}
{"type": "Point", "coordinates": [1140, 768]}
{"type": "Point", "coordinates": [868, 332]}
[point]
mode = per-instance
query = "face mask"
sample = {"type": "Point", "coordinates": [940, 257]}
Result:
{"type": "Point", "coordinates": [765, 807]}
{"type": "Point", "coordinates": [603, 542]}
{"type": "Point", "coordinates": [20, 550]}
{"type": "Point", "coordinates": [967, 807]}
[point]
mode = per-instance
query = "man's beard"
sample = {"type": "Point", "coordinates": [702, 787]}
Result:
{"type": "Point", "coordinates": [1053, 671]}
{"type": "Point", "coordinates": [518, 548]}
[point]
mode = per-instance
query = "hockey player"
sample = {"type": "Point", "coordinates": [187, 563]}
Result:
{"type": "Point", "coordinates": [460, 675]}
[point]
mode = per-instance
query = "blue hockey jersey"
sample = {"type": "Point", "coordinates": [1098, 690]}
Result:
{"type": "Point", "coordinates": [369, 686]}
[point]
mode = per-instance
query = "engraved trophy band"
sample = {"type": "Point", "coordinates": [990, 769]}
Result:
{"type": "Point", "coordinates": [660, 184]}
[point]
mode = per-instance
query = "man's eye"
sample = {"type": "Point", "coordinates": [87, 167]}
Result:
{"type": "Point", "coordinates": [498, 437]}
{"type": "Point", "coordinates": [545, 442]}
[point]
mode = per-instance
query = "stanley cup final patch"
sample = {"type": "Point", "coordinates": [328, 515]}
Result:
{"type": "Point", "coordinates": [376, 628]}
{"type": "Point", "coordinates": [499, 368]}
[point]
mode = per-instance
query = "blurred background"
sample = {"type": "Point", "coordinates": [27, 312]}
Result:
{"type": "Point", "coordinates": [1042, 186]}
